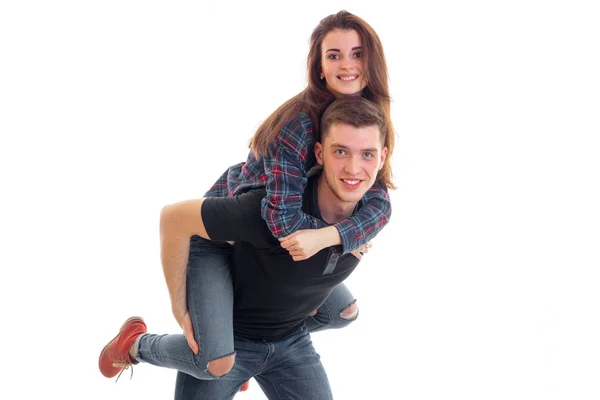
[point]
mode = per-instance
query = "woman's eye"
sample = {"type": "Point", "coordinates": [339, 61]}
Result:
{"type": "Point", "coordinates": [333, 56]}
{"type": "Point", "coordinates": [358, 54]}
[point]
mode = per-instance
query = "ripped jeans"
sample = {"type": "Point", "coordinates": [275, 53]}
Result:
{"type": "Point", "coordinates": [210, 303]}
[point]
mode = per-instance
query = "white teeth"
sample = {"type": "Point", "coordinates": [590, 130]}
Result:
{"type": "Point", "coordinates": [351, 182]}
{"type": "Point", "coordinates": [348, 78]}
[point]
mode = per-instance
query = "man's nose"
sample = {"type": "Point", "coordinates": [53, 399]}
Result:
{"type": "Point", "coordinates": [353, 165]}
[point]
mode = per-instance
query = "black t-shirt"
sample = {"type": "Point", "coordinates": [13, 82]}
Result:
{"type": "Point", "coordinates": [273, 293]}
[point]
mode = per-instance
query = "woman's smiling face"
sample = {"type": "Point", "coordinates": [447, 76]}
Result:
{"type": "Point", "coordinates": [342, 63]}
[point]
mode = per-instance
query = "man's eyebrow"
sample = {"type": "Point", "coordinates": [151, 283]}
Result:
{"type": "Point", "coordinates": [341, 146]}
{"type": "Point", "coordinates": [338, 50]}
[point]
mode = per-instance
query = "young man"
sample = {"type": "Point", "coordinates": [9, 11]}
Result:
{"type": "Point", "coordinates": [273, 293]}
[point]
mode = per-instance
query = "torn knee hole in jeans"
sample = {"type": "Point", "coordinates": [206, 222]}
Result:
{"type": "Point", "coordinates": [221, 366]}
{"type": "Point", "coordinates": [350, 313]}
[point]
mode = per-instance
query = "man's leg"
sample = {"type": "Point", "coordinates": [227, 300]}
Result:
{"type": "Point", "coordinates": [338, 311]}
{"type": "Point", "coordinates": [250, 359]}
{"type": "Point", "coordinates": [293, 370]}
{"type": "Point", "coordinates": [189, 388]}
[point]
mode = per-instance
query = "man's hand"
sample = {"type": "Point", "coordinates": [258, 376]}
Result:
{"type": "Point", "coordinates": [362, 250]}
{"type": "Point", "coordinates": [185, 322]}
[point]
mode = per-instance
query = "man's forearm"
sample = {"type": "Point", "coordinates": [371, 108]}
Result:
{"type": "Point", "coordinates": [174, 248]}
{"type": "Point", "coordinates": [174, 261]}
{"type": "Point", "coordinates": [178, 223]}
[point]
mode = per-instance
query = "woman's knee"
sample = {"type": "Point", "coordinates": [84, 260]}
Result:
{"type": "Point", "coordinates": [350, 313]}
{"type": "Point", "coordinates": [344, 317]}
{"type": "Point", "coordinates": [221, 366]}
{"type": "Point", "coordinates": [213, 369]}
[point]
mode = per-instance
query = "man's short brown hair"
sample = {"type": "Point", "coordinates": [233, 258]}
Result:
{"type": "Point", "coordinates": [355, 111]}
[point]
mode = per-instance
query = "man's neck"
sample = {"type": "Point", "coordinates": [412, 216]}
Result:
{"type": "Point", "coordinates": [332, 209]}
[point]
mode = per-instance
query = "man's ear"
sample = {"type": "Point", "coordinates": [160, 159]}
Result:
{"type": "Point", "coordinates": [319, 153]}
{"type": "Point", "coordinates": [383, 156]}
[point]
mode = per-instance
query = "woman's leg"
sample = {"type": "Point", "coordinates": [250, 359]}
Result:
{"type": "Point", "coordinates": [210, 303]}
{"type": "Point", "coordinates": [338, 311]}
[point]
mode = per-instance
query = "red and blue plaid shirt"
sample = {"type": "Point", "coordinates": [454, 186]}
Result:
{"type": "Point", "coordinates": [283, 173]}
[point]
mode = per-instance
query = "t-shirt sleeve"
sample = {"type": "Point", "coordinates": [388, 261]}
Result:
{"type": "Point", "coordinates": [237, 218]}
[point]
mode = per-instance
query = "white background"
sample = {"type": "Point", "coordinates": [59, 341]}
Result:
{"type": "Point", "coordinates": [484, 285]}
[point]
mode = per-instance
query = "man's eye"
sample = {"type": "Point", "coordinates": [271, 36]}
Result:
{"type": "Point", "coordinates": [340, 152]}
{"type": "Point", "coordinates": [368, 155]}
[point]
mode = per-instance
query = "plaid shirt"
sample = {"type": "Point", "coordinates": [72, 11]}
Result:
{"type": "Point", "coordinates": [283, 174]}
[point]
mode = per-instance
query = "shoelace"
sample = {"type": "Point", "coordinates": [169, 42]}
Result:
{"type": "Point", "coordinates": [121, 362]}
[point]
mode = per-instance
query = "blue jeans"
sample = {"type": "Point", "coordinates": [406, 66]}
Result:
{"type": "Point", "coordinates": [329, 315]}
{"type": "Point", "coordinates": [288, 368]}
{"type": "Point", "coordinates": [210, 303]}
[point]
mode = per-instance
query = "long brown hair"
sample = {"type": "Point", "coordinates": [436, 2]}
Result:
{"type": "Point", "coordinates": [316, 97]}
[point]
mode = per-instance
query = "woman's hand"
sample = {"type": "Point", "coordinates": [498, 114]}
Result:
{"type": "Point", "coordinates": [362, 250]}
{"type": "Point", "coordinates": [304, 243]}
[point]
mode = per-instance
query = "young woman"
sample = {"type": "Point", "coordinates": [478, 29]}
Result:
{"type": "Point", "coordinates": [345, 59]}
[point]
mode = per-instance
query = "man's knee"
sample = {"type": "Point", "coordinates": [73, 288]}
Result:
{"type": "Point", "coordinates": [350, 313]}
{"type": "Point", "coordinates": [221, 366]}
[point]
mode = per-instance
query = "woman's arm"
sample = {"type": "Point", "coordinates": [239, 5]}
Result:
{"type": "Point", "coordinates": [282, 207]}
{"type": "Point", "coordinates": [285, 166]}
{"type": "Point", "coordinates": [368, 221]}
{"type": "Point", "coordinates": [353, 233]}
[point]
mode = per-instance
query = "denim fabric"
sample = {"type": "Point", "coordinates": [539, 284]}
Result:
{"type": "Point", "coordinates": [288, 368]}
{"type": "Point", "coordinates": [210, 303]}
{"type": "Point", "coordinates": [329, 314]}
